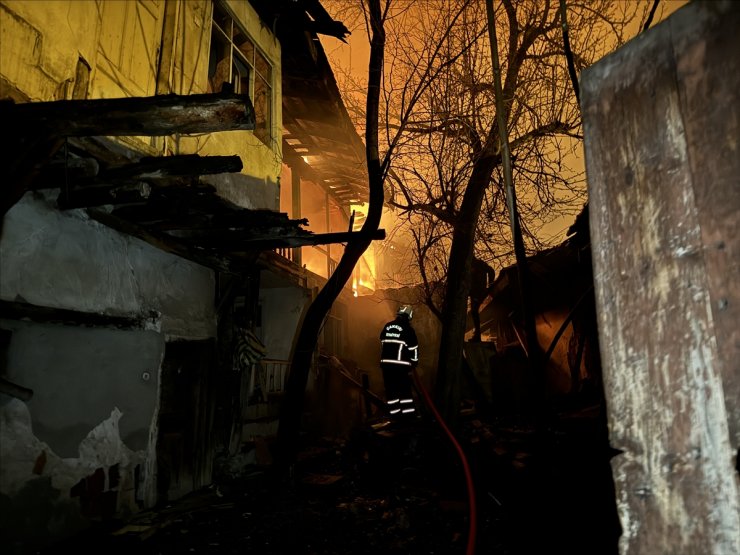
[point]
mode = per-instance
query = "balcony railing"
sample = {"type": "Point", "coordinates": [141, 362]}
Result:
{"type": "Point", "coordinates": [287, 253]}
{"type": "Point", "coordinates": [266, 380]}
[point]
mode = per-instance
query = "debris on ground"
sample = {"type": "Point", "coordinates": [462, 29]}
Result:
{"type": "Point", "coordinates": [398, 489]}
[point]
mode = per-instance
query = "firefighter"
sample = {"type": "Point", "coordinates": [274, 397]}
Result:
{"type": "Point", "coordinates": [399, 356]}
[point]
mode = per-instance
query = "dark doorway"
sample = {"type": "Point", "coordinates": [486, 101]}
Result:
{"type": "Point", "coordinates": [185, 444]}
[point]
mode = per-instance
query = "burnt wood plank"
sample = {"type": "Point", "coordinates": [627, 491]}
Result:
{"type": "Point", "coordinates": [659, 284]}
{"type": "Point", "coordinates": [131, 116]}
{"type": "Point", "coordinates": [62, 171]}
{"type": "Point", "coordinates": [99, 196]}
{"type": "Point", "coordinates": [155, 167]}
{"type": "Point", "coordinates": [85, 172]}
{"type": "Point", "coordinates": [269, 242]}
{"type": "Point", "coordinates": [133, 183]}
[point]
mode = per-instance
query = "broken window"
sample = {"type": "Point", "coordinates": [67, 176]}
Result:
{"type": "Point", "coordinates": [234, 59]}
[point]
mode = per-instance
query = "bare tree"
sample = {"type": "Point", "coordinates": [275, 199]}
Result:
{"type": "Point", "coordinates": [441, 151]}
{"type": "Point", "coordinates": [447, 162]}
{"type": "Point", "coordinates": [292, 407]}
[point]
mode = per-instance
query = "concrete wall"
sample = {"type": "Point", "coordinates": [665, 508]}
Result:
{"type": "Point", "coordinates": [65, 260]}
{"type": "Point", "coordinates": [282, 308]}
{"type": "Point", "coordinates": [83, 446]}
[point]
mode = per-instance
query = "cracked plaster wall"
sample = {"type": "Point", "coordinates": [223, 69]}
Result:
{"type": "Point", "coordinates": [83, 447]}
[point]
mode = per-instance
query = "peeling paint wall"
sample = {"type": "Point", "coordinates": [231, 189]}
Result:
{"type": "Point", "coordinates": [84, 446]}
{"type": "Point", "coordinates": [44, 496]}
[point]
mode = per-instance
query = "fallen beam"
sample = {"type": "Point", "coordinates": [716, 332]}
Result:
{"type": "Point", "coordinates": [60, 171]}
{"type": "Point", "coordinates": [88, 197]}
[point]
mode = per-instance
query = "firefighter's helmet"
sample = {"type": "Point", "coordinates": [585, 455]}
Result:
{"type": "Point", "coordinates": [406, 311]}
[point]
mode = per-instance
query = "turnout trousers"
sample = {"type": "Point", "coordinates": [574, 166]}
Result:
{"type": "Point", "coordinates": [397, 381]}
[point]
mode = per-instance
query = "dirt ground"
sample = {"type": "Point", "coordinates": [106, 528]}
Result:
{"type": "Point", "coordinates": [399, 489]}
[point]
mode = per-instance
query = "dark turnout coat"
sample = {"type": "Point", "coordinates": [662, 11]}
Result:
{"type": "Point", "coordinates": [399, 346]}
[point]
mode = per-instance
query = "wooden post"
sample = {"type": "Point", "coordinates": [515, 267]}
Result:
{"type": "Point", "coordinates": [661, 124]}
{"type": "Point", "coordinates": [296, 200]}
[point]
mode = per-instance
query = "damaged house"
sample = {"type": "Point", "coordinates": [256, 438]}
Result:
{"type": "Point", "coordinates": [562, 299]}
{"type": "Point", "coordinates": [180, 178]}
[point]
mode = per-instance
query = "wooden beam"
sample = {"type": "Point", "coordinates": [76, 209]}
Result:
{"type": "Point", "coordinates": [50, 315]}
{"type": "Point", "coordinates": [60, 171]}
{"type": "Point", "coordinates": [133, 197]}
{"type": "Point", "coordinates": [155, 167]}
{"type": "Point", "coordinates": [84, 172]}
{"type": "Point", "coordinates": [98, 196]}
{"type": "Point", "coordinates": [239, 244]}
{"type": "Point", "coordinates": [198, 216]}
{"type": "Point", "coordinates": [151, 116]}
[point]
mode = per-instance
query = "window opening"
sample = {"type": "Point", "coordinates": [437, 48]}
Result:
{"type": "Point", "coordinates": [234, 59]}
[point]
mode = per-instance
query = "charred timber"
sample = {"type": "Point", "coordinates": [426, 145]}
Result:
{"type": "Point", "coordinates": [149, 116]}
{"type": "Point", "coordinates": [239, 244]}
{"type": "Point", "coordinates": [99, 196]}
{"type": "Point", "coordinates": [201, 224]}
{"type": "Point", "coordinates": [155, 167]}
{"type": "Point", "coordinates": [130, 195]}
{"type": "Point", "coordinates": [64, 171]}
{"type": "Point", "coordinates": [83, 172]}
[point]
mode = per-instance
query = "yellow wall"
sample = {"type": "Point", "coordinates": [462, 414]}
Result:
{"type": "Point", "coordinates": [40, 43]}
{"type": "Point", "coordinates": [260, 161]}
{"type": "Point", "coordinates": [42, 40]}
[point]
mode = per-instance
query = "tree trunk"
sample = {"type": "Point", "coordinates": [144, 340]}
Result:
{"type": "Point", "coordinates": [536, 369]}
{"type": "Point", "coordinates": [295, 387]}
{"type": "Point", "coordinates": [455, 308]}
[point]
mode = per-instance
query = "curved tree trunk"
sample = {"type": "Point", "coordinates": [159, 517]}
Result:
{"type": "Point", "coordinates": [454, 319]}
{"type": "Point", "coordinates": [305, 345]}
{"type": "Point", "coordinates": [455, 308]}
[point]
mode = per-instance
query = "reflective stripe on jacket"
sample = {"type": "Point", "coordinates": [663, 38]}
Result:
{"type": "Point", "coordinates": [398, 343]}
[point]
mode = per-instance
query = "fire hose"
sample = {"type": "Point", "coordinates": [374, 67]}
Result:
{"type": "Point", "coordinates": [472, 525]}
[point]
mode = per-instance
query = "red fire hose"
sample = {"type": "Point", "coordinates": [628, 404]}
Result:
{"type": "Point", "coordinates": [466, 468]}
